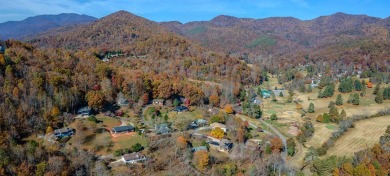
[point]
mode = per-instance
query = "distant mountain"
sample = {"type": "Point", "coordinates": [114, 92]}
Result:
{"type": "Point", "coordinates": [41, 23]}
{"type": "Point", "coordinates": [163, 51]}
{"type": "Point", "coordinates": [280, 35]}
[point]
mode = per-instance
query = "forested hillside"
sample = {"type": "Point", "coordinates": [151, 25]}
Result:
{"type": "Point", "coordinates": [339, 37]}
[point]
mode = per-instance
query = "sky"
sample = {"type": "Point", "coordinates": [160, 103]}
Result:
{"type": "Point", "coordinates": [194, 10]}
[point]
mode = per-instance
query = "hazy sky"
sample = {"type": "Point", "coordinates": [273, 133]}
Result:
{"type": "Point", "coordinates": [194, 10]}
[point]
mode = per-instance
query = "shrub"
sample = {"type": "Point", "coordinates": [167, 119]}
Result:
{"type": "Point", "coordinates": [273, 117]}
{"type": "Point", "coordinates": [311, 108]}
{"type": "Point", "coordinates": [92, 119]}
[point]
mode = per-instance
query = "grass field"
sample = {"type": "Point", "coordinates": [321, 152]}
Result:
{"type": "Point", "coordinates": [322, 132]}
{"type": "Point", "coordinates": [365, 134]}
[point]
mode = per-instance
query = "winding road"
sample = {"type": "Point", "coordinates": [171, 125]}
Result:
{"type": "Point", "coordinates": [255, 123]}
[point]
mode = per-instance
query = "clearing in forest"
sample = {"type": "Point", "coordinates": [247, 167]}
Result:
{"type": "Point", "coordinates": [365, 134]}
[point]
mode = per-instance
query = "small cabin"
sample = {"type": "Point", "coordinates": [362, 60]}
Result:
{"type": "Point", "coordinates": [122, 129]}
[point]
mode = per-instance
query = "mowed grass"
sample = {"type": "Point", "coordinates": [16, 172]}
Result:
{"type": "Point", "coordinates": [365, 134]}
{"type": "Point", "coordinates": [127, 141]}
{"type": "Point", "coordinates": [322, 132]}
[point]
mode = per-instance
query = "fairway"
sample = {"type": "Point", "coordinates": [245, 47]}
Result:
{"type": "Point", "coordinates": [365, 134]}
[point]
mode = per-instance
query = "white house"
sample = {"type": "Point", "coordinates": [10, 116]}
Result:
{"type": "Point", "coordinates": [219, 125]}
{"type": "Point", "coordinates": [133, 158]}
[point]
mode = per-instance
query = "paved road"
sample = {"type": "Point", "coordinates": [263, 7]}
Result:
{"type": "Point", "coordinates": [281, 136]}
{"type": "Point", "coordinates": [254, 123]}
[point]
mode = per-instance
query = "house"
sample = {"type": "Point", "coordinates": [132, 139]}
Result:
{"type": "Point", "coordinates": [253, 144]}
{"type": "Point", "coordinates": [200, 148]}
{"type": "Point", "coordinates": [197, 123]}
{"type": "Point", "coordinates": [181, 109]}
{"type": "Point", "coordinates": [265, 93]}
{"type": "Point", "coordinates": [122, 129]}
{"type": "Point", "coordinates": [85, 111]}
{"type": "Point", "coordinates": [162, 128]}
{"type": "Point", "coordinates": [159, 102]}
{"type": "Point", "coordinates": [133, 158]}
{"type": "Point", "coordinates": [63, 132]}
{"type": "Point", "coordinates": [223, 145]}
{"type": "Point", "coordinates": [218, 125]}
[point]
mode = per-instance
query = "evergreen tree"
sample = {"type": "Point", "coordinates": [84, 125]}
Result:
{"type": "Point", "coordinates": [386, 93]}
{"type": "Point", "coordinates": [281, 94]}
{"type": "Point", "coordinates": [377, 87]}
{"type": "Point", "coordinates": [257, 113]}
{"type": "Point", "coordinates": [343, 115]}
{"type": "Point", "coordinates": [331, 103]}
{"type": "Point", "coordinates": [311, 108]}
{"type": "Point", "coordinates": [339, 100]}
{"type": "Point", "coordinates": [346, 85]}
{"type": "Point", "coordinates": [333, 112]}
{"type": "Point", "coordinates": [379, 97]}
{"type": "Point", "coordinates": [358, 85]}
{"type": "Point", "coordinates": [356, 100]}
{"type": "Point", "coordinates": [350, 99]}
{"type": "Point", "coordinates": [364, 87]}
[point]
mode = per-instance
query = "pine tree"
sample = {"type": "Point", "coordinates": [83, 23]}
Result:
{"type": "Point", "coordinates": [379, 97]}
{"type": "Point", "coordinates": [356, 100]}
{"type": "Point", "coordinates": [358, 85]}
{"type": "Point", "coordinates": [386, 93]}
{"type": "Point", "coordinates": [339, 100]}
{"type": "Point", "coordinates": [331, 103]}
{"type": "Point", "coordinates": [333, 112]}
{"type": "Point", "coordinates": [377, 87]}
{"type": "Point", "coordinates": [364, 87]}
{"type": "Point", "coordinates": [311, 108]}
{"type": "Point", "coordinates": [343, 115]}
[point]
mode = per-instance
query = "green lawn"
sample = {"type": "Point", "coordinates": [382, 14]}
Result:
{"type": "Point", "coordinates": [127, 141]}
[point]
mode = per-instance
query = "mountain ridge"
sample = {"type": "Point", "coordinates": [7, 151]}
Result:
{"type": "Point", "coordinates": [41, 23]}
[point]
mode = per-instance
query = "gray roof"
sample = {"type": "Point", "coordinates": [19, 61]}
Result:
{"type": "Point", "coordinates": [133, 156]}
{"type": "Point", "coordinates": [195, 149]}
{"type": "Point", "coordinates": [63, 130]}
{"type": "Point", "coordinates": [123, 128]}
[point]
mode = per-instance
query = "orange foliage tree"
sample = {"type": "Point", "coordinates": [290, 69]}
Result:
{"type": "Point", "coordinates": [214, 100]}
{"type": "Point", "coordinates": [201, 159]}
{"type": "Point", "coordinates": [229, 109]}
{"type": "Point", "coordinates": [277, 144]}
{"type": "Point", "coordinates": [181, 142]}
{"type": "Point", "coordinates": [95, 99]}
